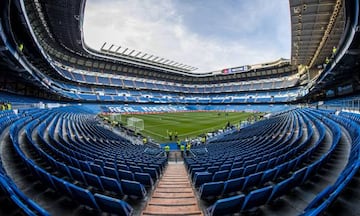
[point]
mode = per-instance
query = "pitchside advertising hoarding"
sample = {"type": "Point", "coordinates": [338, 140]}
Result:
{"type": "Point", "coordinates": [236, 69]}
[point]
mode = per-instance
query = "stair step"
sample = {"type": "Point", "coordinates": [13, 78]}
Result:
{"type": "Point", "coordinates": [172, 195]}
{"type": "Point", "coordinates": [173, 210]}
{"type": "Point", "coordinates": [174, 190]}
{"type": "Point", "coordinates": [175, 201]}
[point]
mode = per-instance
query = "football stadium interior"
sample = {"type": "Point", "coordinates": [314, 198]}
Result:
{"type": "Point", "coordinates": [275, 138]}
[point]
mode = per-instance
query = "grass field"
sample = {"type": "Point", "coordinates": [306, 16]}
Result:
{"type": "Point", "coordinates": [188, 124]}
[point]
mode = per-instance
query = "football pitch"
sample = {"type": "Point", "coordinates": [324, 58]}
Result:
{"type": "Point", "coordinates": [186, 124]}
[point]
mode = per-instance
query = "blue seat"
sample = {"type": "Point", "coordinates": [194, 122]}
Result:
{"type": "Point", "coordinates": [110, 172]}
{"type": "Point", "coordinates": [45, 177]}
{"type": "Point", "coordinates": [152, 171]}
{"type": "Point", "coordinates": [250, 169]}
{"type": "Point", "coordinates": [64, 169]}
{"type": "Point", "coordinates": [144, 178]}
{"type": "Point", "coordinates": [220, 175]}
{"type": "Point", "coordinates": [84, 165]}
{"type": "Point", "coordinates": [234, 185]}
{"type": "Point", "coordinates": [135, 169]}
{"type": "Point", "coordinates": [201, 178]}
{"type": "Point", "coordinates": [77, 174]}
{"type": "Point", "coordinates": [122, 167]}
{"type": "Point", "coordinates": [97, 169]}
{"type": "Point", "coordinates": [252, 180]}
{"type": "Point", "coordinates": [23, 208]}
{"type": "Point", "coordinates": [61, 186]}
{"type": "Point", "coordinates": [211, 190]}
{"type": "Point", "coordinates": [127, 175]}
{"type": "Point", "coordinates": [212, 169]}
{"type": "Point", "coordinates": [196, 170]}
{"type": "Point", "coordinates": [93, 180]}
{"type": "Point", "coordinates": [226, 206]}
{"type": "Point", "coordinates": [225, 167]}
{"type": "Point", "coordinates": [261, 166]}
{"type": "Point", "coordinates": [112, 205]}
{"type": "Point", "coordinates": [300, 176]}
{"type": "Point", "coordinates": [282, 187]}
{"type": "Point", "coordinates": [111, 184]}
{"type": "Point", "coordinates": [133, 188]}
{"type": "Point", "coordinates": [237, 165]}
{"type": "Point", "coordinates": [257, 197]}
{"type": "Point", "coordinates": [236, 173]}
{"type": "Point", "coordinates": [281, 170]}
{"type": "Point", "coordinates": [268, 175]}
{"type": "Point", "coordinates": [83, 196]}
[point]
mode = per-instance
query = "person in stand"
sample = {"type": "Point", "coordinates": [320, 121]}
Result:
{"type": "Point", "coordinates": [170, 135]}
{"type": "Point", "coordinates": [182, 149]}
{"type": "Point", "coordinates": [188, 147]}
{"type": "Point", "coordinates": [167, 150]}
{"type": "Point", "coordinates": [178, 143]}
{"type": "Point", "coordinates": [175, 135]}
{"type": "Point", "coordinates": [144, 140]}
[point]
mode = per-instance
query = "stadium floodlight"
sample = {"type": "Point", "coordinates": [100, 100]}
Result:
{"type": "Point", "coordinates": [123, 52]}
{"type": "Point", "coordinates": [102, 47]}
{"type": "Point", "coordinates": [135, 123]}
{"type": "Point", "coordinates": [138, 54]}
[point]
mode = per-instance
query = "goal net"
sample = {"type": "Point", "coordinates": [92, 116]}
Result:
{"type": "Point", "coordinates": [135, 123]}
{"type": "Point", "coordinates": [115, 117]}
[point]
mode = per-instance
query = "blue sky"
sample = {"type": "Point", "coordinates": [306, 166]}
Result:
{"type": "Point", "coordinates": [207, 34]}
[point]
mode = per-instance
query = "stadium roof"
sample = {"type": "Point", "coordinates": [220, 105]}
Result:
{"type": "Point", "coordinates": [310, 20]}
{"type": "Point", "coordinates": [317, 26]}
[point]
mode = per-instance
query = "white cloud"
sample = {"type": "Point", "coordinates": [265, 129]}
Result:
{"type": "Point", "coordinates": [155, 27]}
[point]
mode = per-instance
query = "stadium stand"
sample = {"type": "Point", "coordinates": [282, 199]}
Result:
{"type": "Point", "coordinates": [58, 158]}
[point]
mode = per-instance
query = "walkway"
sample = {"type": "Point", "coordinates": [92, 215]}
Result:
{"type": "Point", "coordinates": [173, 195]}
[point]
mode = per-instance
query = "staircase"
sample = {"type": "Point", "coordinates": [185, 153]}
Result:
{"type": "Point", "coordinates": [173, 195]}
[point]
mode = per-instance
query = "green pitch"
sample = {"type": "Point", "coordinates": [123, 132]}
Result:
{"type": "Point", "coordinates": [188, 124]}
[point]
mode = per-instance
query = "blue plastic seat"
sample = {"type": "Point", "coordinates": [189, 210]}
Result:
{"type": "Point", "coordinates": [144, 178]}
{"type": "Point", "coordinates": [268, 175]}
{"type": "Point", "coordinates": [112, 205]}
{"type": "Point", "coordinates": [236, 173]}
{"type": "Point", "coordinates": [225, 167]}
{"type": "Point", "coordinates": [133, 188]}
{"type": "Point", "coordinates": [220, 175]}
{"type": "Point", "coordinates": [226, 206]}
{"type": "Point", "coordinates": [61, 186]}
{"type": "Point", "coordinates": [281, 170]}
{"type": "Point", "coordinates": [257, 198]}
{"type": "Point", "coordinates": [250, 169]}
{"type": "Point", "coordinates": [110, 172]}
{"type": "Point", "coordinates": [252, 180]}
{"type": "Point", "coordinates": [127, 175]}
{"type": "Point", "coordinates": [212, 169]}
{"type": "Point", "coordinates": [211, 190]}
{"type": "Point", "coordinates": [77, 174]}
{"type": "Point", "coordinates": [93, 180]}
{"type": "Point", "coordinates": [152, 171]}
{"type": "Point", "coordinates": [134, 169]}
{"type": "Point", "coordinates": [201, 178]}
{"type": "Point", "coordinates": [97, 169]}
{"type": "Point", "coordinates": [83, 196]}
{"type": "Point", "coordinates": [234, 185]}
{"type": "Point", "coordinates": [282, 188]}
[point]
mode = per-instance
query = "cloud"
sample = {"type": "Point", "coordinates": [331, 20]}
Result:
{"type": "Point", "coordinates": [207, 34]}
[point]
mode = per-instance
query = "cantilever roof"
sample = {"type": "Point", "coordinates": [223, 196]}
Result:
{"type": "Point", "coordinates": [317, 26]}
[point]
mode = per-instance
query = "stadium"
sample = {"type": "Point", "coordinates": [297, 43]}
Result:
{"type": "Point", "coordinates": [116, 131]}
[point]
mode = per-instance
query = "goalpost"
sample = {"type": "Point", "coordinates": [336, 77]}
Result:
{"type": "Point", "coordinates": [135, 123]}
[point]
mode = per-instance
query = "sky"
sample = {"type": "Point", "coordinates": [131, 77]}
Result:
{"type": "Point", "coordinates": [208, 34]}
